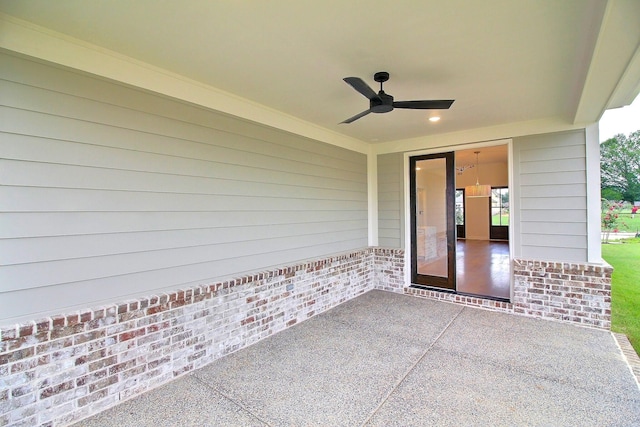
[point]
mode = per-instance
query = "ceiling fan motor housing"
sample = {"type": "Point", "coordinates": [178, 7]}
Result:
{"type": "Point", "coordinates": [382, 105]}
{"type": "Point", "coordinates": [381, 76]}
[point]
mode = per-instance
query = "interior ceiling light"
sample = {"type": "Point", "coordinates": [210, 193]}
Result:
{"type": "Point", "coordinates": [434, 119]}
{"type": "Point", "coordinates": [460, 169]}
{"type": "Point", "coordinates": [477, 190]}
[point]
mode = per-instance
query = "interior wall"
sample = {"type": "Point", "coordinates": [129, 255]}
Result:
{"type": "Point", "coordinates": [478, 209]}
{"type": "Point", "coordinates": [109, 192]}
{"type": "Point", "coordinates": [495, 174]}
{"type": "Point", "coordinates": [477, 218]}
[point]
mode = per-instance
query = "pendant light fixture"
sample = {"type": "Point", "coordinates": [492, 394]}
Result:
{"type": "Point", "coordinates": [477, 190]}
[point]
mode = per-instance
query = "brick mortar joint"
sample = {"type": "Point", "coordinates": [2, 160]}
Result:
{"type": "Point", "coordinates": [193, 345]}
{"type": "Point", "coordinates": [602, 269]}
{"type": "Point", "coordinates": [167, 301]}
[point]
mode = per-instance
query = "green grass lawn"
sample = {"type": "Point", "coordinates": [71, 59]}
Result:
{"type": "Point", "coordinates": [625, 288]}
{"type": "Point", "coordinates": [628, 224]}
{"type": "Point", "coordinates": [504, 219]}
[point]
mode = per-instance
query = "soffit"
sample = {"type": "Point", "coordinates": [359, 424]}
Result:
{"type": "Point", "coordinates": [502, 61]}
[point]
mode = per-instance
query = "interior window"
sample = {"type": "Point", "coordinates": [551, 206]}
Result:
{"type": "Point", "coordinates": [500, 206]}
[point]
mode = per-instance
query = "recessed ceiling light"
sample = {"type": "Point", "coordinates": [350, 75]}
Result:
{"type": "Point", "coordinates": [434, 119]}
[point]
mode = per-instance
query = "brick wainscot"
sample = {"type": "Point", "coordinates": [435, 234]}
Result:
{"type": "Point", "coordinates": [570, 292]}
{"type": "Point", "coordinates": [567, 292]}
{"type": "Point", "coordinates": [58, 370]}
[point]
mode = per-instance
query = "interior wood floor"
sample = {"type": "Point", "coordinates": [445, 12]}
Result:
{"type": "Point", "coordinates": [482, 268]}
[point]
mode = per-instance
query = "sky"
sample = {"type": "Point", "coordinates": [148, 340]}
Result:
{"type": "Point", "coordinates": [620, 120]}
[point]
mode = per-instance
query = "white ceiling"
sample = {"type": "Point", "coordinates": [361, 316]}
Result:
{"type": "Point", "coordinates": [503, 61]}
{"type": "Point", "coordinates": [491, 154]}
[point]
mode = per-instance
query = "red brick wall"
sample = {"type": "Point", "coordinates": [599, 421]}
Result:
{"type": "Point", "coordinates": [57, 370]}
{"type": "Point", "coordinates": [570, 292]}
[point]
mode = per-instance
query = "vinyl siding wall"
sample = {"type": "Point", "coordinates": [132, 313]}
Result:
{"type": "Point", "coordinates": [109, 192]}
{"type": "Point", "coordinates": [550, 194]}
{"type": "Point", "coordinates": [390, 195]}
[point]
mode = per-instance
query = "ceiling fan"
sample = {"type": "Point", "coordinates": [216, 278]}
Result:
{"type": "Point", "coordinates": [382, 103]}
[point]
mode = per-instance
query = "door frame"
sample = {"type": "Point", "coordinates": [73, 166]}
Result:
{"type": "Point", "coordinates": [451, 146]}
{"type": "Point", "coordinates": [498, 232]}
{"type": "Point", "coordinates": [443, 283]}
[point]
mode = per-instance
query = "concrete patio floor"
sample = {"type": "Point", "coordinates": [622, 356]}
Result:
{"type": "Point", "coordinates": [392, 360]}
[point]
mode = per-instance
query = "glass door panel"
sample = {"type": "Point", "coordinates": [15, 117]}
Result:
{"type": "Point", "coordinates": [433, 220]}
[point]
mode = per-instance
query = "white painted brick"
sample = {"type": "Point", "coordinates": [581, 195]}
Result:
{"type": "Point", "coordinates": [167, 342]}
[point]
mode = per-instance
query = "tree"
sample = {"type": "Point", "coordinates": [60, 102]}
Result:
{"type": "Point", "coordinates": [620, 167]}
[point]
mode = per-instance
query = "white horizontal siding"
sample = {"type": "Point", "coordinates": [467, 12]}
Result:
{"type": "Point", "coordinates": [42, 224]}
{"type": "Point", "coordinates": [542, 240]}
{"type": "Point", "coordinates": [559, 202]}
{"type": "Point", "coordinates": [167, 278]}
{"type": "Point", "coordinates": [560, 190]}
{"type": "Point", "coordinates": [545, 166]}
{"type": "Point", "coordinates": [127, 164]}
{"type": "Point", "coordinates": [40, 249]}
{"type": "Point", "coordinates": [392, 188]}
{"type": "Point", "coordinates": [82, 86]}
{"type": "Point", "coordinates": [30, 173]}
{"type": "Point", "coordinates": [545, 151]}
{"type": "Point", "coordinates": [554, 228]}
{"type": "Point", "coordinates": [553, 178]}
{"type": "Point", "coordinates": [107, 192]}
{"type": "Point", "coordinates": [551, 196]}
{"type": "Point", "coordinates": [17, 277]}
{"type": "Point", "coordinates": [389, 206]}
{"type": "Point", "coordinates": [130, 146]}
{"type": "Point", "coordinates": [552, 215]}
{"type": "Point", "coordinates": [390, 180]}
{"type": "Point", "coordinates": [49, 199]}
{"type": "Point", "coordinates": [559, 254]}
{"type": "Point", "coordinates": [390, 233]}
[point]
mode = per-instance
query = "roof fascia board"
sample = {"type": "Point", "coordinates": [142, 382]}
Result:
{"type": "Point", "coordinates": [629, 86]}
{"type": "Point", "coordinates": [613, 73]}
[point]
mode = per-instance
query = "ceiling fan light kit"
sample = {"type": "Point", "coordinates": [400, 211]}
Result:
{"type": "Point", "coordinates": [383, 103]}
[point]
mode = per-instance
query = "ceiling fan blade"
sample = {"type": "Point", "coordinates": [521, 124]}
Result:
{"type": "Point", "coordinates": [356, 117]}
{"type": "Point", "coordinates": [359, 85]}
{"type": "Point", "coordinates": [436, 104]}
